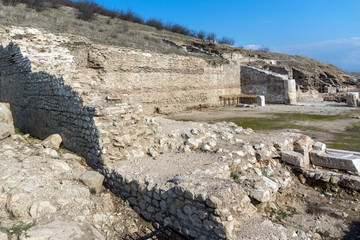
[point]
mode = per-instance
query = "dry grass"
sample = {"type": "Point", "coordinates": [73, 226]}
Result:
{"type": "Point", "coordinates": [101, 29]}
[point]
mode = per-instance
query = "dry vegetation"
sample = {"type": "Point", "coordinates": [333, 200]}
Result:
{"type": "Point", "coordinates": [127, 29]}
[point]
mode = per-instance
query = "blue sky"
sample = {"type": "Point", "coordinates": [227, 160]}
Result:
{"type": "Point", "coordinates": [328, 30]}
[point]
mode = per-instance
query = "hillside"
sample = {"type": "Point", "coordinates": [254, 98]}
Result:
{"type": "Point", "coordinates": [308, 73]}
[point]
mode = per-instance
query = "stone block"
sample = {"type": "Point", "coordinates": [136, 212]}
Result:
{"type": "Point", "coordinates": [53, 141]}
{"type": "Point", "coordinates": [93, 180]}
{"type": "Point", "coordinates": [5, 130]}
{"type": "Point", "coordinates": [319, 146]}
{"type": "Point", "coordinates": [295, 158]}
{"type": "Point", "coordinates": [351, 99]}
{"type": "Point", "coordinates": [261, 195]}
{"type": "Point", "coordinates": [261, 101]}
{"type": "Point", "coordinates": [341, 161]}
{"type": "Point", "coordinates": [5, 114]}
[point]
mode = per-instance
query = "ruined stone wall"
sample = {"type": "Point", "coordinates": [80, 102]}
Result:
{"type": "Point", "coordinates": [276, 88]}
{"type": "Point", "coordinates": [43, 105]}
{"type": "Point", "coordinates": [159, 80]}
{"type": "Point", "coordinates": [195, 213]}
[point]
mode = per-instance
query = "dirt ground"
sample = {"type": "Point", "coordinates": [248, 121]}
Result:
{"type": "Point", "coordinates": [321, 130]}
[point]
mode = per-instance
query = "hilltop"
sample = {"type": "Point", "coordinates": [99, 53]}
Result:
{"type": "Point", "coordinates": [309, 73]}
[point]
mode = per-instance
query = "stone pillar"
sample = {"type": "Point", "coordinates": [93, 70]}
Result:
{"type": "Point", "coordinates": [290, 91]}
{"type": "Point", "coordinates": [261, 101]}
{"type": "Point", "coordinates": [351, 99]}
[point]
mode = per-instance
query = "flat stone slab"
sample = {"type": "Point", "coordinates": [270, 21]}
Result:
{"type": "Point", "coordinates": [338, 160]}
{"type": "Point", "coordinates": [295, 158]}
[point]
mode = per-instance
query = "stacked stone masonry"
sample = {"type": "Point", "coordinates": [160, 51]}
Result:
{"type": "Point", "coordinates": [275, 87]}
{"type": "Point", "coordinates": [85, 93]}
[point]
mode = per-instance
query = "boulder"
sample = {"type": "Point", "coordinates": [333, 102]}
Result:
{"type": "Point", "coordinates": [295, 158]}
{"type": "Point", "coordinates": [93, 180]}
{"type": "Point", "coordinates": [53, 141]}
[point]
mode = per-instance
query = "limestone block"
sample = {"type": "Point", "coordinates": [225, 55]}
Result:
{"type": "Point", "coordinates": [303, 144]}
{"type": "Point", "coordinates": [5, 130]}
{"type": "Point", "coordinates": [347, 162]}
{"type": "Point", "coordinates": [261, 194]}
{"type": "Point", "coordinates": [319, 146]}
{"type": "Point", "coordinates": [93, 180]}
{"type": "Point", "coordinates": [5, 114]}
{"type": "Point", "coordinates": [41, 208]}
{"type": "Point", "coordinates": [295, 158]}
{"type": "Point", "coordinates": [290, 91]}
{"type": "Point", "coordinates": [53, 141]}
{"type": "Point", "coordinates": [351, 99]}
{"type": "Point", "coordinates": [261, 101]}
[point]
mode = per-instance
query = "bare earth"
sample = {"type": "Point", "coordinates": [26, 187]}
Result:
{"type": "Point", "coordinates": [323, 108]}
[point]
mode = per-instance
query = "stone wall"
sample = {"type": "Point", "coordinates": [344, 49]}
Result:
{"type": "Point", "coordinates": [275, 87]}
{"type": "Point", "coordinates": [166, 81]}
{"type": "Point", "coordinates": [43, 105]}
{"type": "Point", "coordinates": [196, 212]}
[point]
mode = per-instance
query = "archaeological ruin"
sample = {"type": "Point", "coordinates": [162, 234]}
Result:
{"type": "Point", "coordinates": [101, 100]}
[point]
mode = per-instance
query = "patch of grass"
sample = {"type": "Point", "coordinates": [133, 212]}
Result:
{"type": "Point", "coordinates": [234, 176]}
{"type": "Point", "coordinates": [271, 123]}
{"type": "Point", "coordinates": [18, 230]}
{"type": "Point", "coordinates": [280, 213]}
{"type": "Point", "coordinates": [302, 197]}
{"type": "Point", "coordinates": [308, 117]}
{"type": "Point", "coordinates": [347, 140]}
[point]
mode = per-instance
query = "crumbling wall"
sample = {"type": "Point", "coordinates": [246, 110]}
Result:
{"type": "Point", "coordinates": [42, 104]}
{"type": "Point", "coordinates": [167, 81]}
{"type": "Point", "coordinates": [276, 88]}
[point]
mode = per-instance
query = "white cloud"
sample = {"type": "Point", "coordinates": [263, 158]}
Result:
{"type": "Point", "coordinates": [344, 53]}
{"type": "Point", "coordinates": [253, 47]}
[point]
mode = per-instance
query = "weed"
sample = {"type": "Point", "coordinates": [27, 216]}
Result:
{"type": "Point", "coordinates": [92, 191]}
{"type": "Point", "coordinates": [234, 176]}
{"type": "Point", "coordinates": [302, 197]}
{"type": "Point", "coordinates": [18, 230]}
{"type": "Point", "coordinates": [280, 213]}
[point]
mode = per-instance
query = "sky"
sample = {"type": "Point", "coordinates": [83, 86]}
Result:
{"type": "Point", "coordinates": [328, 30]}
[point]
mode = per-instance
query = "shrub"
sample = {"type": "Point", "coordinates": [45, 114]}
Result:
{"type": "Point", "coordinates": [226, 40]}
{"type": "Point", "coordinates": [87, 10]}
{"type": "Point", "coordinates": [10, 2]}
{"type": "Point", "coordinates": [156, 23]}
{"type": "Point", "coordinates": [211, 36]}
{"type": "Point", "coordinates": [176, 28]}
{"type": "Point", "coordinates": [201, 34]}
{"type": "Point", "coordinates": [130, 16]}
